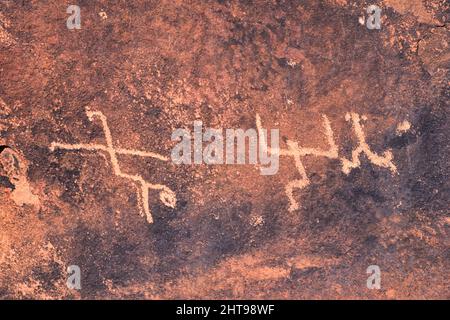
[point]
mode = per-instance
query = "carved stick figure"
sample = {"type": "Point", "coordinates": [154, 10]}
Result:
{"type": "Point", "coordinates": [297, 152]}
{"type": "Point", "coordinates": [167, 196]}
{"type": "Point", "coordinates": [384, 161]}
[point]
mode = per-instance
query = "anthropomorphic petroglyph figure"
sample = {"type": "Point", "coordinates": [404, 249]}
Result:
{"type": "Point", "coordinates": [293, 150]}
{"type": "Point", "coordinates": [167, 196]}
{"type": "Point", "coordinates": [384, 161]}
{"type": "Point", "coordinates": [298, 152]}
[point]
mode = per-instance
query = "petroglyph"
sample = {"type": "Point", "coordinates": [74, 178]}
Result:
{"type": "Point", "coordinates": [293, 150]}
{"type": "Point", "coordinates": [384, 161]}
{"type": "Point", "coordinates": [166, 195]}
{"type": "Point", "coordinates": [297, 152]}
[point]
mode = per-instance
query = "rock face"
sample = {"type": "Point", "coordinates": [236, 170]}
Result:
{"type": "Point", "coordinates": [86, 176]}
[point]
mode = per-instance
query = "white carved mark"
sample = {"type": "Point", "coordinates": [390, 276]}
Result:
{"type": "Point", "coordinates": [167, 196]}
{"type": "Point", "coordinates": [297, 152]}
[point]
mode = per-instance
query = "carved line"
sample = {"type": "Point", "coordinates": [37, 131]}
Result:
{"type": "Point", "coordinates": [167, 196]}
{"type": "Point", "coordinates": [295, 151]}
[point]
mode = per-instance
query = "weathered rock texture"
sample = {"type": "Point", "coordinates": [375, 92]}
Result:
{"type": "Point", "coordinates": [153, 66]}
